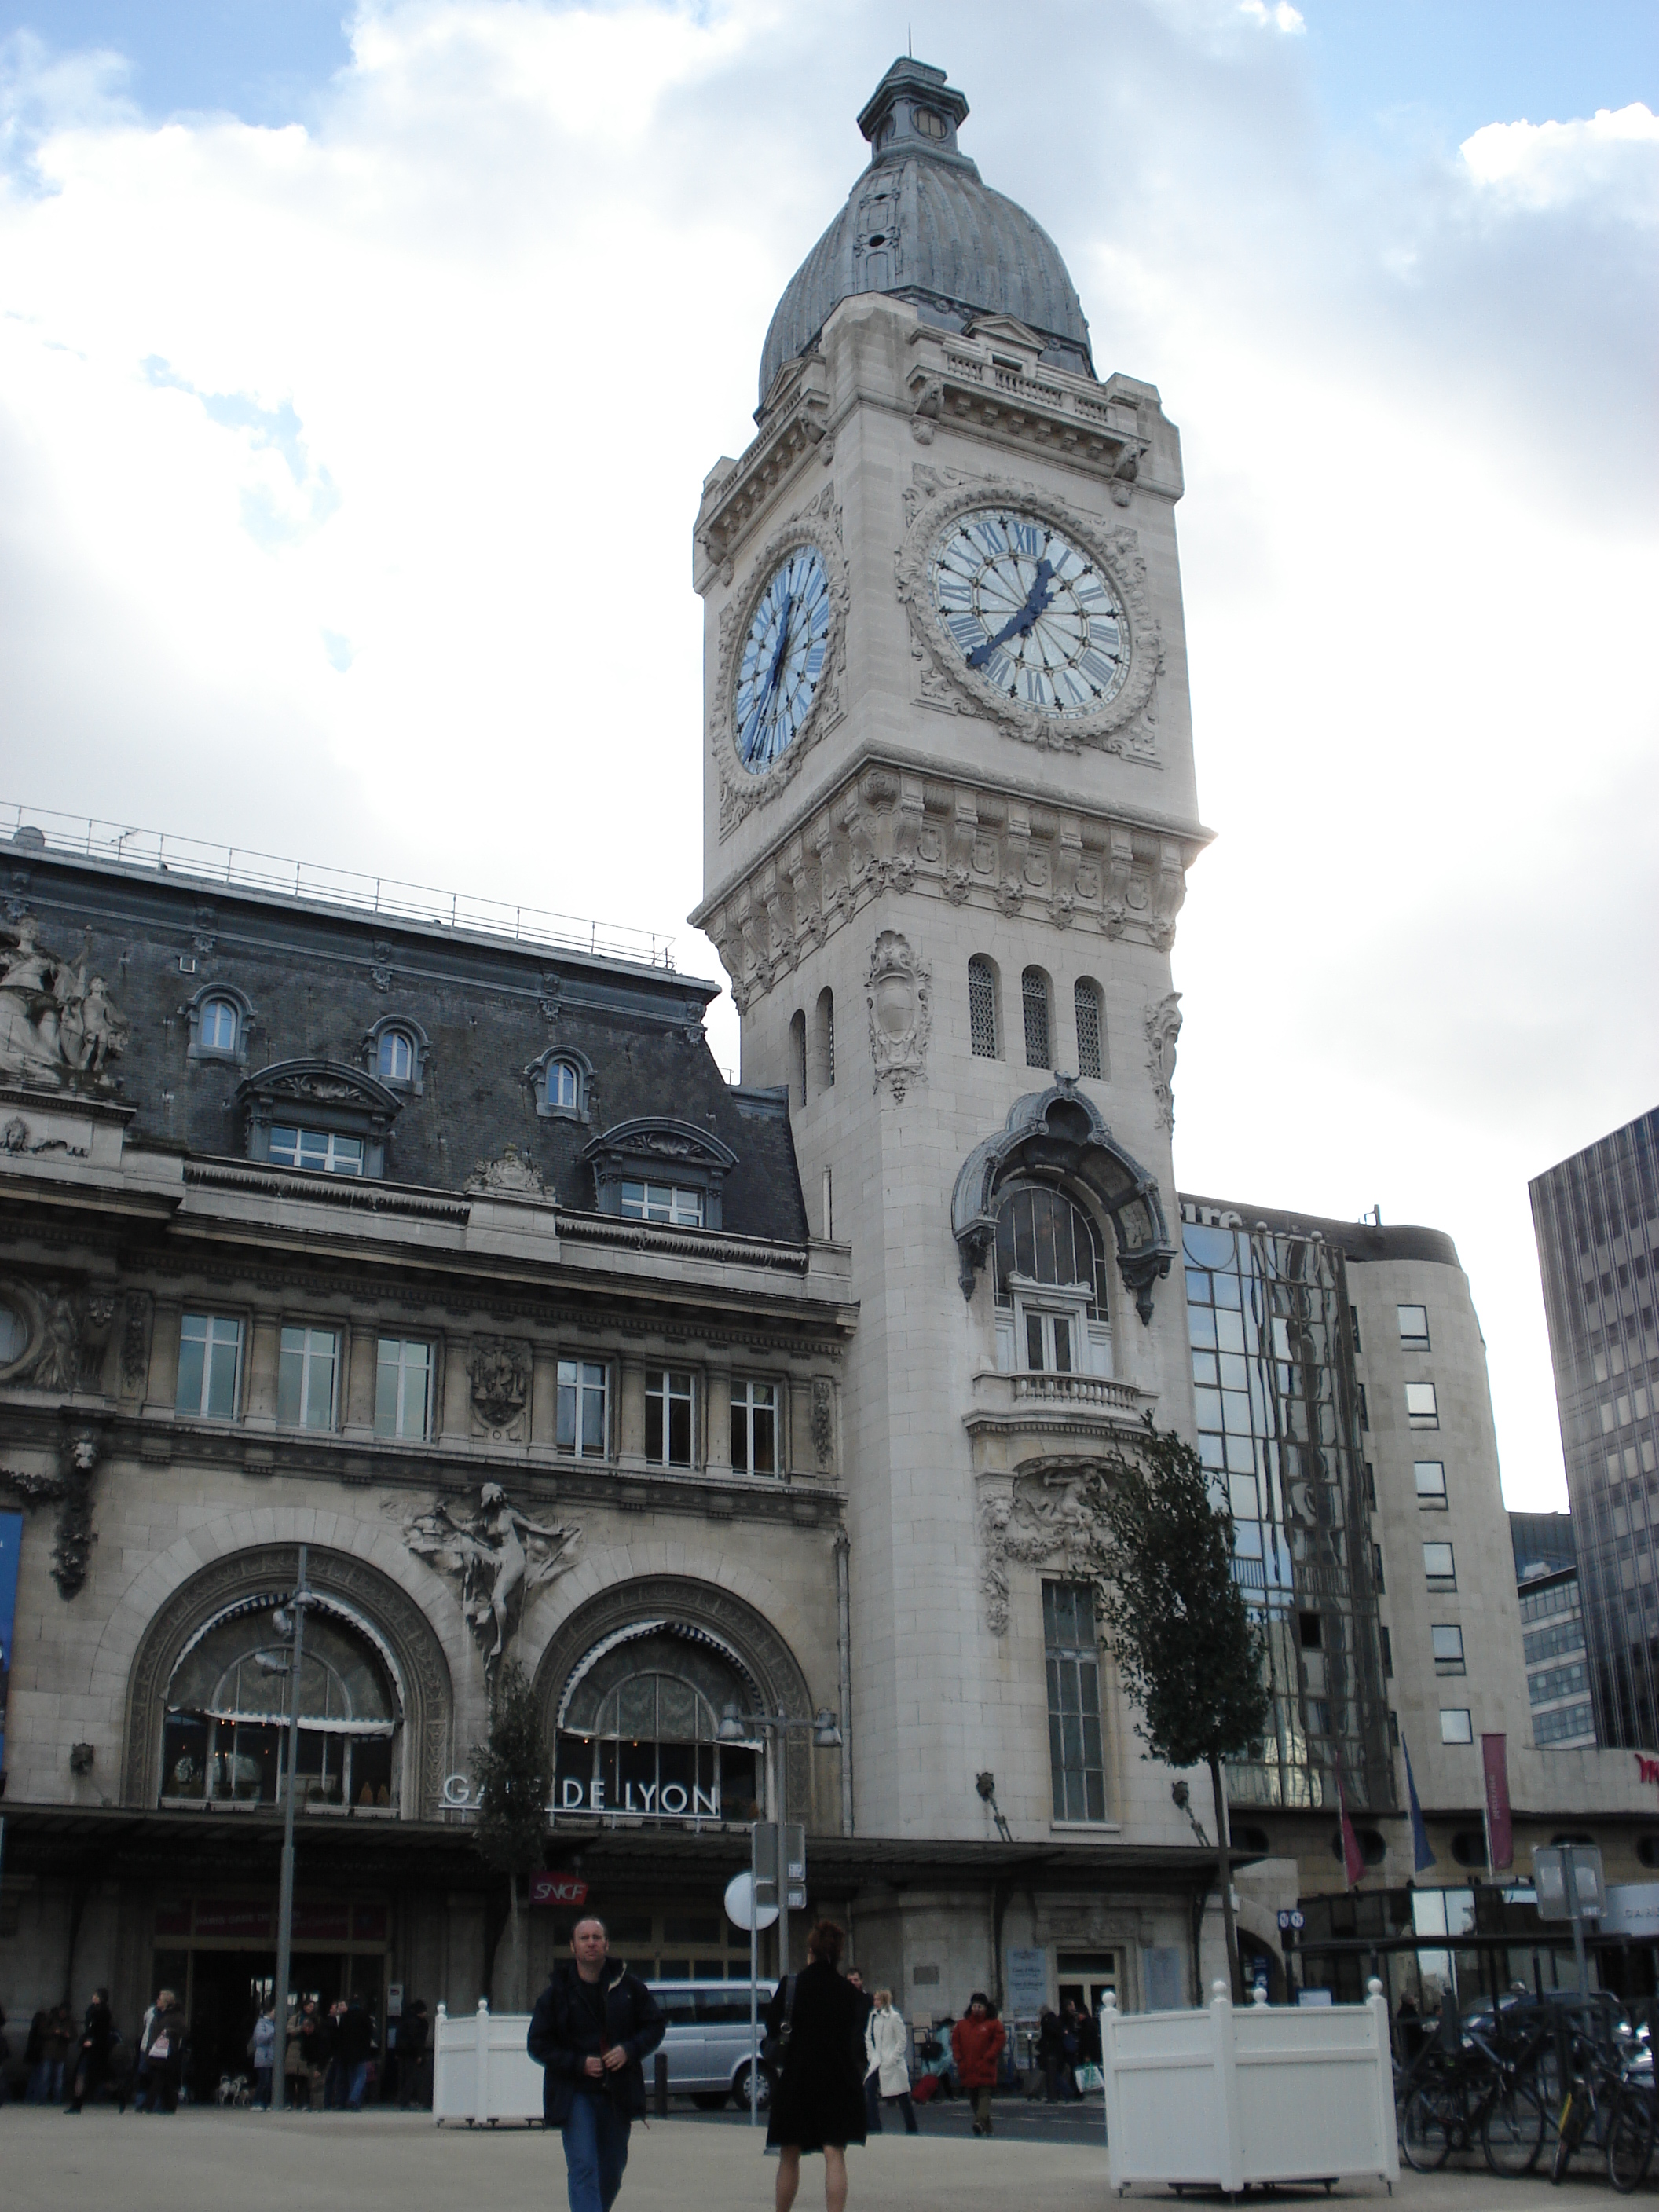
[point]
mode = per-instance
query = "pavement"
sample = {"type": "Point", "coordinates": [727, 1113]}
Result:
{"type": "Point", "coordinates": [202, 2160]}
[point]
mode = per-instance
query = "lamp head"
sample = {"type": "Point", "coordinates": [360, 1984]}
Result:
{"type": "Point", "coordinates": [731, 1729]}
{"type": "Point", "coordinates": [1180, 1793]}
{"type": "Point", "coordinates": [987, 1786]}
{"type": "Point", "coordinates": [826, 1729]}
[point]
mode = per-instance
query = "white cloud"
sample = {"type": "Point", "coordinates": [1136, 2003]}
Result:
{"type": "Point", "coordinates": [1283, 17]}
{"type": "Point", "coordinates": [347, 474]}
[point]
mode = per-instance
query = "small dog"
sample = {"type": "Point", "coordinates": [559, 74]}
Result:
{"type": "Point", "coordinates": [234, 2089]}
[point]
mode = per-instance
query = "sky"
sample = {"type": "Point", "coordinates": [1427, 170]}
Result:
{"type": "Point", "coordinates": [360, 369]}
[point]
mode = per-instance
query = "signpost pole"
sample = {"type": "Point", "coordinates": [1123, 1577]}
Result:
{"type": "Point", "coordinates": [285, 1895]}
{"type": "Point", "coordinates": [1569, 1882]}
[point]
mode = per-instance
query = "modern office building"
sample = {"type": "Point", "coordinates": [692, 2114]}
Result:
{"type": "Point", "coordinates": [1596, 1219]}
{"type": "Point", "coordinates": [1553, 1630]}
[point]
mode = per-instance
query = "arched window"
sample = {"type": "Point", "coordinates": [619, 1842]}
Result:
{"type": "Point", "coordinates": [827, 1038]}
{"type": "Point", "coordinates": [983, 1008]}
{"type": "Point", "coordinates": [219, 1018]}
{"type": "Point", "coordinates": [1050, 1286]}
{"type": "Point", "coordinates": [1091, 1029]}
{"type": "Point", "coordinates": [1034, 1004]}
{"type": "Point", "coordinates": [218, 1025]}
{"type": "Point", "coordinates": [640, 1733]}
{"type": "Point", "coordinates": [562, 1080]}
{"type": "Point", "coordinates": [394, 1059]}
{"type": "Point", "coordinates": [798, 1055]}
{"type": "Point", "coordinates": [564, 1085]}
{"type": "Point", "coordinates": [224, 1737]}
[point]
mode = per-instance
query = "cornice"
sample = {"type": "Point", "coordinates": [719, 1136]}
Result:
{"type": "Point", "coordinates": [797, 422]}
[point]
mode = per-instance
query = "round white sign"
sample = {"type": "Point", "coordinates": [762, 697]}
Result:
{"type": "Point", "coordinates": [739, 1903]}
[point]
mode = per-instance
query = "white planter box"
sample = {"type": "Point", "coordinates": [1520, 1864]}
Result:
{"type": "Point", "coordinates": [481, 2069]}
{"type": "Point", "coordinates": [1228, 2097]}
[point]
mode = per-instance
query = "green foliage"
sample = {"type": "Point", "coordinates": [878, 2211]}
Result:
{"type": "Point", "coordinates": [513, 1772]}
{"type": "Point", "coordinates": [1189, 1655]}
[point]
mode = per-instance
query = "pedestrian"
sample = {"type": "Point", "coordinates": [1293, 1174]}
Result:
{"type": "Point", "coordinates": [262, 2050]}
{"type": "Point", "coordinates": [594, 2027]}
{"type": "Point", "coordinates": [976, 2042]}
{"type": "Point", "coordinates": [334, 2076]}
{"type": "Point", "coordinates": [871, 2094]}
{"type": "Point", "coordinates": [818, 2102]}
{"type": "Point", "coordinates": [161, 2054]}
{"type": "Point", "coordinates": [354, 2040]}
{"type": "Point", "coordinates": [313, 2052]}
{"type": "Point", "coordinates": [92, 2053]}
{"type": "Point", "coordinates": [1051, 2057]}
{"type": "Point", "coordinates": [887, 2044]}
{"type": "Point", "coordinates": [414, 2063]}
{"type": "Point", "coordinates": [57, 2035]}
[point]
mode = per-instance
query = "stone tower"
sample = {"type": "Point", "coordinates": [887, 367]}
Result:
{"type": "Point", "coordinates": [949, 810]}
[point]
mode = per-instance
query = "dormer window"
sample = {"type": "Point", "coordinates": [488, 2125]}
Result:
{"type": "Point", "coordinates": [662, 1201]}
{"type": "Point", "coordinates": [323, 1151]}
{"type": "Point", "coordinates": [395, 1053]}
{"type": "Point", "coordinates": [562, 1081]}
{"type": "Point", "coordinates": [564, 1085]}
{"type": "Point", "coordinates": [220, 1018]}
{"type": "Point", "coordinates": [396, 1057]}
{"type": "Point", "coordinates": [669, 1173]}
{"type": "Point", "coordinates": [319, 1116]}
{"type": "Point", "coordinates": [218, 1031]}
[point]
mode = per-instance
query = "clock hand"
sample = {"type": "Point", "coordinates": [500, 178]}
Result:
{"type": "Point", "coordinates": [1036, 602]}
{"type": "Point", "coordinates": [782, 648]}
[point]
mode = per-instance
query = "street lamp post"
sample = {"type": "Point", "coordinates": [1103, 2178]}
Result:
{"type": "Point", "coordinates": [294, 1621]}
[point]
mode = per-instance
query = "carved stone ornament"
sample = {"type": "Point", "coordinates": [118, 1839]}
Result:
{"type": "Point", "coordinates": [499, 1371]}
{"type": "Point", "coordinates": [1127, 723]}
{"type": "Point", "coordinates": [1051, 1517]}
{"type": "Point", "coordinates": [823, 1422]}
{"type": "Point", "coordinates": [16, 1139]}
{"type": "Point", "coordinates": [1162, 1024]}
{"type": "Point", "coordinates": [510, 1171]}
{"type": "Point", "coordinates": [898, 996]}
{"type": "Point", "coordinates": [66, 1333]}
{"type": "Point", "coordinates": [70, 1489]}
{"type": "Point", "coordinates": [498, 1555]}
{"type": "Point", "coordinates": [59, 1028]}
{"type": "Point", "coordinates": [136, 1324]}
{"type": "Point", "coordinates": [818, 525]}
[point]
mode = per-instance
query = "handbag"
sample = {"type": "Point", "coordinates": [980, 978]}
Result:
{"type": "Point", "coordinates": [775, 2048]}
{"type": "Point", "coordinates": [1090, 2078]}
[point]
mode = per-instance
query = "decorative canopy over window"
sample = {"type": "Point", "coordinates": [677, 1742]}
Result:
{"type": "Point", "coordinates": [638, 1728]}
{"type": "Point", "coordinates": [1057, 1137]}
{"type": "Point", "coordinates": [675, 1155]}
{"type": "Point", "coordinates": [320, 1097]}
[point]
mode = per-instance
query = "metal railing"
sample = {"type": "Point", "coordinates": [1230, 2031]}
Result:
{"type": "Point", "coordinates": [42, 829]}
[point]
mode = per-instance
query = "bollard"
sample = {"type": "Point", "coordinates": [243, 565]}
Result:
{"type": "Point", "coordinates": [661, 2102]}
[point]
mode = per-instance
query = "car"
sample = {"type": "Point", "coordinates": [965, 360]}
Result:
{"type": "Point", "coordinates": [707, 2044]}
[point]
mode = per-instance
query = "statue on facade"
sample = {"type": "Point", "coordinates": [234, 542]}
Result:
{"type": "Point", "coordinates": [59, 1025]}
{"type": "Point", "coordinates": [498, 1554]}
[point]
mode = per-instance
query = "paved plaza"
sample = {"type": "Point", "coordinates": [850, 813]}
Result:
{"type": "Point", "coordinates": [204, 2160]}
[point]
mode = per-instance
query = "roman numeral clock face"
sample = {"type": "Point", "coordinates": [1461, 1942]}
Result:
{"type": "Point", "coordinates": [782, 659]}
{"type": "Point", "coordinates": [1032, 617]}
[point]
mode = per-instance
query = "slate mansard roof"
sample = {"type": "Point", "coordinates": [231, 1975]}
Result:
{"type": "Point", "coordinates": [318, 980]}
{"type": "Point", "coordinates": [921, 225]}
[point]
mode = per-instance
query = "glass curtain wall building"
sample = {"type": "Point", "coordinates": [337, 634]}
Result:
{"type": "Point", "coordinates": [1596, 1219]}
{"type": "Point", "coordinates": [1279, 1426]}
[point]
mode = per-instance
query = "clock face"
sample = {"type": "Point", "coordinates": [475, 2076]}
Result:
{"type": "Point", "coordinates": [1031, 615]}
{"type": "Point", "coordinates": [782, 659]}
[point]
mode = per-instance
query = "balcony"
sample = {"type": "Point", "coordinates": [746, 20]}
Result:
{"type": "Point", "coordinates": [1061, 1410]}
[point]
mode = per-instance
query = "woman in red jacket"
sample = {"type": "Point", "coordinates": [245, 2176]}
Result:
{"type": "Point", "coordinates": [976, 2042]}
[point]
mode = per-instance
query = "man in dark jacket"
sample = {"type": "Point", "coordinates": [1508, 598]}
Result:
{"type": "Point", "coordinates": [91, 2061]}
{"type": "Point", "coordinates": [354, 2042]}
{"type": "Point", "coordinates": [592, 2029]}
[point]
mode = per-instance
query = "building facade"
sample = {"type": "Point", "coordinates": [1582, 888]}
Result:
{"type": "Point", "coordinates": [1596, 1219]}
{"type": "Point", "coordinates": [1553, 1644]}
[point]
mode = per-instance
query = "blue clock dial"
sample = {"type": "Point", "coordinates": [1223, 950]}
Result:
{"type": "Point", "coordinates": [1030, 615]}
{"type": "Point", "coordinates": [783, 659]}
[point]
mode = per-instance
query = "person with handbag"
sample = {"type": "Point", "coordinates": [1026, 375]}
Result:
{"type": "Point", "coordinates": [887, 2046]}
{"type": "Point", "coordinates": [162, 2055]}
{"type": "Point", "coordinates": [91, 2062]}
{"type": "Point", "coordinates": [818, 2102]}
{"type": "Point", "coordinates": [977, 2043]}
{"type": "Point", "coordinates": [594, 2027]}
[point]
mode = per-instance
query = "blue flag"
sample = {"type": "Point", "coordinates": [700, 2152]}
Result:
{"type": "Point", "coordinates": [1420, 1851]}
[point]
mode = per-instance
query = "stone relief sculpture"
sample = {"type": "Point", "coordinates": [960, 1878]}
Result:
{"type": "Point", "coordinates": [67, 1331]}
{"type": "Point", "coordinates": [499, 1371]}
{"type": "Point", "coordinates": [70, 1490]}
{"type": "Point", "coordinates": [1163, 1028]}
{"type": "Point", "coordinates": [823, 1422]}
{"type": "Point", "coordinates": [898, 997]}
{"type": "Point", "coordinates": [498, 1555]}
{"type": "Point", "coordinates": [511, 1171]}
{"type": "Point", "coordinates": [1051, 1517]}
{"type": "Point", "coordinates": [59, 1028]}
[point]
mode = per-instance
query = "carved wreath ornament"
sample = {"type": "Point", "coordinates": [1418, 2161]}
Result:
{"type": "Point", "coordinates": [1127, 723]}
{"type": "Point", "coordinates": [899, 995]}
{"type": "Point", "coordinates": [818, 524]}
{"type": "Point", "coordinates": [1052, 1517]}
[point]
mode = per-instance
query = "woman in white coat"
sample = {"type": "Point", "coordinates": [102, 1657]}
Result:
{"type": "Point", "coordinates": [887, 2047]}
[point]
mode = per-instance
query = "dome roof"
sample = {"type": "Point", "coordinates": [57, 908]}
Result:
{"type": "Point", "coordinates": [920, 225]}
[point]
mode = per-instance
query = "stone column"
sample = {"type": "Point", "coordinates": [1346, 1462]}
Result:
{"type": "Point", "coordinates": [261, 1355]}
{"type": "Point", "coordinates": [718, 1454]}
{"type": "Point", "coordinates": [632, 1451]}
{"type": "Point", "coordinates": [161, 1388]}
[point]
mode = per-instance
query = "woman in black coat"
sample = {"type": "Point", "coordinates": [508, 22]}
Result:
{"type": "Point", "coordinates": [818, 2102]}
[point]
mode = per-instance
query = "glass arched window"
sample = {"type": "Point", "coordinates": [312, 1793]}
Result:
{"type": "Point", "coordinates": [224, 1738]}
{"type": "Point", "coordinates": [1091, 1029]}
{"type": "Point", "coordinates": [395, 1059]}
{"type": "Point", "coordinates": [564, 1085]}
{"type": "Point", "coordinates": [1034, 1004]}
{"type": "Point", "coordinates": [639, 1734]}
{"type": "Point", "coordinates": [216, 1030]}
{"type": "Point", "coordinates": [1050, 1286]}
{"type": "Point", "coordinates": [983, 1008]}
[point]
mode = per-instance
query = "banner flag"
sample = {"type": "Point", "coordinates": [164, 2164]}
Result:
{"type": "Point", "coordinates": [1500, 1829]}
{"type": "Point", "coordinates": [1421, 1853]}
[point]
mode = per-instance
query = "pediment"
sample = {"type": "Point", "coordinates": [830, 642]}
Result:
{"type": "Point", "coordinates": [1004, 330]}
{"type": "Point", "coordinates": [664, 1143]}
{"type": "Point", "coordinates": [323, 1082]}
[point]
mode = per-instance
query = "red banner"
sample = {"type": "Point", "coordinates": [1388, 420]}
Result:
{"type": "Point", "coordinates": [1500, 1829]}
{"type": "Point", "coordinates": [558, 1889]}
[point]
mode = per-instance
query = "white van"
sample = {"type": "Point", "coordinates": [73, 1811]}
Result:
{"type": "Point", "coordinates": [707, 2044]}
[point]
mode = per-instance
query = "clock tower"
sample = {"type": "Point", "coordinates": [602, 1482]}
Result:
{"type": "Point", "coordinates": [949, 810]}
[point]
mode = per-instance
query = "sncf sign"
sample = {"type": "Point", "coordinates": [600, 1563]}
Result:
{"type": "Point", "coordinates": [558, 1889]}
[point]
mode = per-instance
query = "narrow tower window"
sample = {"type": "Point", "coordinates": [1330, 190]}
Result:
{"type": "Point", "coordinates": [798, 1053]}
{"type": "Point", "coordinates": [981, 1007]}
{"type": "Point", "coordinates": [827, 1037]}
{"type": "Point", "coordinates": [1090, 1029]}
{"type": "Point", "coordinates": [1034, 1000]}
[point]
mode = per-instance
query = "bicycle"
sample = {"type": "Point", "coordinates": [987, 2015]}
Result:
{"type": "Point", "coordinates": [1608, 2106]}
{"type": "Point", "coordinates": [1448, 2100]}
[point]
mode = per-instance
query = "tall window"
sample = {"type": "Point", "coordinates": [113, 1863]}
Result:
{"type": "Point", "coordinates": [1440, 1567]}
{"type": "Point", "coordinates": [209, 1346]}
{"type": "Point", "coordinates": [827, 1037]}
{"type": "Point", "coordinates": [564, 1085]}
{"type": "Point", "coordinates": [1076, 1760]}
{"type": "Point", "coordinates": [395, 1058]}
{"type": "Point", "coordinates": [1090, 1029]}
{"type": "Point", "coordinates": [584, 1423]}
{"type": "Point", "coordinates": [324, 1152]}
{"type": "Point", "coordinates": [1042, 1236]}
{"type": "Point", "coordinates": [216, 1030]}
{"type": "Point", "coordinates": [1422, 1407]}
{"type": "Point", "coordinates": [670, 1402]}
{"type": "Point", "coordinates": [1447, 1638]}
{"type": "Point", "coordinates": [981, 1007]}
{"type": "Point", "coordinates": [1034, 1004]}
{"type": "Point", "coordinates": [1431, 1482]}
{"type": "Point", "coordinates": [797, 1054]}
{"type": "Point", "coordinates": [661, 1201]}
{"type": "Point", "coordinates": [403, 1389]}
{"type": "Point", "coordinates": [755, 1428]}
{"type": "Point", "coordinates": [305, 1368]}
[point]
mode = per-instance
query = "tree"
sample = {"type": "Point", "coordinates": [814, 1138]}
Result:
{"type": "Point", "coordinates": [1188, 1652]}
{"type": "Point", "coordinates": [513, 1772]}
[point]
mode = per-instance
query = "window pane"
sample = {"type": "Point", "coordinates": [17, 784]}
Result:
{"type": "Point", "coordinates": [387, 1377]}
{"type": "Point", "coordinates": [1414, 1325]}
{"type": "Point", "coordinates": [1062, 1345]}
{"type": "Point", "coordinates": [1075, 1743]}
{"type": "Point", "coordinates": [595, 1440]}
{"type": "Point", "coordinates": [765, 1423]}
{"type": "Point", "coordinates": [1086, 1000]}
{"type": "Point", "coordinates": [1034, 1004]}
{"type": "Point", "coordinates": [291, 1377]}
{"type": "Point", "coordinates": [1034, 1342]}
{"type": "Point", "coordinates": [1456, 1727]}
{"type": "Point", "coordinates": [1420, 1404]}
{"type": "Point", "coordinates": [654, 1423]}
{"type": "Point", "coordinates": [564, 1433]}
{"type": "Point", "coordinates": [981, 1009]}
{"type": "Point", "coordinates": [1431, 1478]}
{"type": "Point", "coordinates": [1448, 1642]}
{"type": "Point", "coordinates": [193, 1362]}
{"type": "Point", "coordinates": [680, 1422]}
